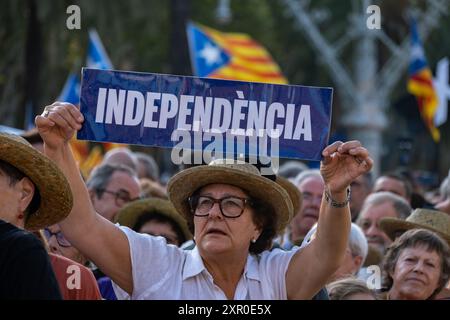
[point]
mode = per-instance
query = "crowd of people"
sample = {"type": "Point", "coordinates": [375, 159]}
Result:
{"type": "Point", "coordinates": [216, 231]}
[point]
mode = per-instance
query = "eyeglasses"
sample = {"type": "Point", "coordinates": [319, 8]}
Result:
{"type": "Point", "coordinates": [121, 197]}
{"type": "Point", "coordinates": [230, 207]}
{"type": "Point", "coordinates": [62, 241]}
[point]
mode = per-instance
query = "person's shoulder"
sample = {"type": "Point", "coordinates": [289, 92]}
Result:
{"type": "Point", "coordinates": [64, 262]}
{"type": "Point", "coordinates": [12, 237]}
{"type": "Point", "coordinates": [8, 230]}
{"type": "Point", "coordinates": [65, 268]}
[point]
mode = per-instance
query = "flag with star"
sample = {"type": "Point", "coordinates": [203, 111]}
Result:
{"type": "Point", "coordinates": [85, 155]}
{"type": "Point", "coordinates": [97, 57]}
{"type": "Point", "coordinates": [71, 90]}
{"type": "Point", "coordinates": [420, 83]}
{"type": "Point", "coordinates": [233, 56]}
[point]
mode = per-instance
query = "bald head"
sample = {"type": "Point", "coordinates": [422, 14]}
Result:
{"type": "Point", "coordinates": [121, 156]}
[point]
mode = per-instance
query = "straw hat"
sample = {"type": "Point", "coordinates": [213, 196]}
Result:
{"type": "Point", "coordinates": [129, 214]}
{"type": "Point", "coordinates": [374, 257]}
{"type": "Point", "coordinates": [238, 174]}
{"type": "Point", "coordinates": [55, 194]}
{"type": "Point", "coordinates": [433, 220]}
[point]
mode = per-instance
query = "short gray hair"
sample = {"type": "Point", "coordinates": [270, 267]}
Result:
{"type": "Point", "coordinates": [357, 241]}
{"type": "Point", "coordinates": [444, 188]}
{"type": "Point", "coordinates": [122, 156]}
{"type": "Point", "coordinates": [307, 174]}
{"type": "Point", "coordinates": [101, 175]}
{"type": "Point", "coordinates": [401, 206]}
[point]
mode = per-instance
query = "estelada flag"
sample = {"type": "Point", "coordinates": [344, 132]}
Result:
{"type": "Point", "coordinates": [420, 83]}
{"type": "Point", "coordinates": [233, 56]}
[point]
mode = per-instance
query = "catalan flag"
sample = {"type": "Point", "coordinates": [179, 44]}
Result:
{"type": "Point", "coordinates": [80, 148]}
{"type": "Point", "coordinates": [94, 158]}
{"type": "Point", "coordinates": [87, 157]}
{"type": "Point", "coordinates": [96, 58]}
{"type": "Point", "coordinates": [111, 145]}
{"type": "Point", "coordinates": [420, 83]}
{"type": "Point", "coordinates": [71, 90]}
{"type": "Point", "coordinates": [233, 56]}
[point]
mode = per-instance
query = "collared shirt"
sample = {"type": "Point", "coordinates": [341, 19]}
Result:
{"type": "Point", "coordinates": [162, 271]}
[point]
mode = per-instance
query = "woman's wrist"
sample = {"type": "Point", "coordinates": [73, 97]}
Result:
{"type": "Point", "coordinates": [337, 199]}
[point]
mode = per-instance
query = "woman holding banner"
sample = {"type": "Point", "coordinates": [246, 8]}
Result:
{"type": "Point", "coordinates": [233, 212]}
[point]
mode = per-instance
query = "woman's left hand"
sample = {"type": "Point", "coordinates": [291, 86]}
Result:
{"type": "Point", "coordinates": [342, 163]}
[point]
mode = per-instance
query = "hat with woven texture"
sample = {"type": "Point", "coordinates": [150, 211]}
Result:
{"type": "Point", "coordinates": [54, 190]}
{"type": "Point", "coordinates": [239, 174]}
{"type": "Point", "coordinates": [129, 214]}
{"type": "Point", "coordinates": [433, 220]}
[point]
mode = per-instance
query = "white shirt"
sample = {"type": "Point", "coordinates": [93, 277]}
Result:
{"type": "Point", "coordinates": [162, 271]}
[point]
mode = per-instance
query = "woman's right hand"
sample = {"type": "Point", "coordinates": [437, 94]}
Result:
{"type": "Point", "coordinates": [58, 123]}
{"type": "Point", "coordinates": [342, 163]}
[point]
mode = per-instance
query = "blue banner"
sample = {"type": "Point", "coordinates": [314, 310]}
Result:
{"type": "Point", "coordinates": [212, 115]}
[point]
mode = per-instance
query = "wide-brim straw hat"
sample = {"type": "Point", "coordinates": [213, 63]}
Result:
{"type": "Point", "coordinates": [436, 221]}
{"type": "Point", "coordinates": [129, 214]}
{"type": "Point", "coordinates": [242, 175]}
{"type": "Point", "coordinates": [54, 190]}
{"type": "Point", "coordinates": [374, 257]}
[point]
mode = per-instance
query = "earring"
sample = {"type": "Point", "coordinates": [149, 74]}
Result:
{"type": "Point", "coordinates": [20, 216]}
{"type": "Point", "coordinates": [253, 240]}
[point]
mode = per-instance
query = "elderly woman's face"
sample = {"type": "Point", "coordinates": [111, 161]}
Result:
{"type": "Point", "coordinates": [416, 274]}
{"type": "Point", "coordinates": [215, 233]}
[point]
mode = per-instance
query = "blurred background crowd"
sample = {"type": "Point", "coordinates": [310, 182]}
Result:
{"type": "Point", "coordinates": [391, 92]}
